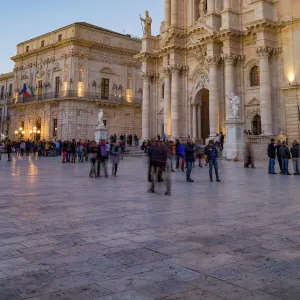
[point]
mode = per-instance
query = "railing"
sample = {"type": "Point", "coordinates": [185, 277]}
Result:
{"type": "Point", "coordinates": [259, 139]}
{"type": "Point", "coordinates": [71, 94]}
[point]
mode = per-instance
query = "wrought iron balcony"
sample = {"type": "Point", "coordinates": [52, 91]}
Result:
{"type": "Point", "coordinates": [71, 94]}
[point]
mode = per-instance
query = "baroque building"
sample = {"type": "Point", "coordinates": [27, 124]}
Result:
{"type": "Point", "coordinates": [208, 50]}
{"type": "Point", "coordinates": [71, 73]}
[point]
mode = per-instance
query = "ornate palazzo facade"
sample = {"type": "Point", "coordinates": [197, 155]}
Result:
{"type": "Point", "coordinates": [73, 72]}
{"type": "Point", "coordinates": [210, 49]}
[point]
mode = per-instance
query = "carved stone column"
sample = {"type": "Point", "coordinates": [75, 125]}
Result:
{"type": "Point", "coordinates": [167, 102]}
{"type": "Point", "coordinates": [174, 12]}
{"type": "Point", "coordinates": [214, 105]}
{"type": "Point", "coordinates": [227, 4]}
{"type": "Point", "coordinates": [175, 114]}
{"type": "Point", "coordinates": [229, 60]}
{"type": "Point", "coordinates": [146, 106]}
{"type": "Point", "coordinates": [194, 122]}
{"type": "Point", "coordinates": [265, 89]}
{"type": "Point", "coordinates": [167, 13]}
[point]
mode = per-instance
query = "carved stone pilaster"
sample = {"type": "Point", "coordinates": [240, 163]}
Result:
{"type": "Point", "coordinates": [185, 70]}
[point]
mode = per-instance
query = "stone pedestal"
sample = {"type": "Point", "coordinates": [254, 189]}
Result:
{"type": "Point", "coordinates": [234, 145]}
{"type": "Point", "coordinates": [100, 134]}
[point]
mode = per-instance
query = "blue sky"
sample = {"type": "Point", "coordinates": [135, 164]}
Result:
{"type": "Point", "coordinates": [22, 20]}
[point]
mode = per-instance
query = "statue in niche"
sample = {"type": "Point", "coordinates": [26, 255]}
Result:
{"type": "Point", "coordinates": [202, 9]}
{"type": "Point", "coordinates": [147, 23]}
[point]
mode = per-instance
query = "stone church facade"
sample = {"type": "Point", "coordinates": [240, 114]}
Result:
{"type": "Point", "coordinates": [210, 49]}
{"type": "Point", "coordinates": [73, 72]}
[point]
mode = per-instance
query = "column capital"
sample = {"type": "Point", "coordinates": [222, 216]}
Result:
{"type": "Point", "coordinates": [175, 69]}
{"type": "Point", "coordinates": [213, 61]}
{"type": "Point", "coordinates": [166, 71]}
{"type": "Point", "coordinates": [264, 51]}
{"type": "Point", "coordinates": [229, 58]}
{"type": "Point", "coordinates": [147, 76]}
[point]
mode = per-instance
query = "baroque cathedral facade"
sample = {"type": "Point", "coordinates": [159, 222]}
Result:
{"type": "Point", "coordinates": [208, 50]}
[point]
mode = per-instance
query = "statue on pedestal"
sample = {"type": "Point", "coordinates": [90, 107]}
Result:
{"type": "Point", "coordinates": [100, 119]}
{"type": "Point", "coordinates": [235, 104]}
{"type": "Point", "coordinates": [147, 23]}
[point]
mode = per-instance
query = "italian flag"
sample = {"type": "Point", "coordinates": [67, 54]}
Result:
{"type": "Point", "coordinates": [27, 91]}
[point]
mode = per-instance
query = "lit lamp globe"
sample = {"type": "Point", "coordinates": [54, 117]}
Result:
{"type": "Point", "coordinates": [23, 132]}
{"type": "Point", "coordinates": [38, 131]}
{"type": "Point", "coordinates": [20, 128]}
{"type": "Point", "coordinates": [30, 131]}
{"type": "Point", "coordinates": [34, 130]}
{"type": "Point", "coordinates": [16, 132]}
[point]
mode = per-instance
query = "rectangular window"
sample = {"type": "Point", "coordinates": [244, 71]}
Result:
{"type": "Point", "coordinates": [1, 111]}
{"type": "Point", "coordinates": [27, 48]}
{"type": "Point", "coordinates": [40, 89]}
{"type": "Point", "coordinates": [57, 84]}
{"type": "Point", "coordinates": [42, 43]}
{"type": "Point", "coordinates": [2, 92]}
{"type": "Point", "coordinates": [10, 90]}
{"type": "Point", "coordinates": [104, 88]}
{"type": "Point", "coordinates": [54, 128]}
{"type": "Point", "coordinates": [22, 125]}
{"type": "Point", "coordinates": [59, 37]}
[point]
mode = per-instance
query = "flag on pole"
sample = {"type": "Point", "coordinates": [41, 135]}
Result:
{"type": "Point", "coordinates": [26, 91]}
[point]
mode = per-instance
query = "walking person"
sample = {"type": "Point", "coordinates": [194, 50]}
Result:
{"type": "Point", "coordinates": [189, 159]}
{"type": "Point", "coordinates": [285, 156]}
{"type": "Point", "coordinates": [64, 151]}
{"type": "Point", "coordinates": [272, 156]}
{"type": "Point", "coordinates": [115, 158]}
{"type": "Point", "coordinates": [2, 148]}
{"type": "Point", "coordinates": [22, 148]}
{"type": "Point", "coordinates": [212, 156]}
{"type": "Point", "coordinates": [179, 155]}
{"type": "Point", "coordinates": [9, 149]}
{"type": "Point", "coordinates": [295, 157]}
{"type": "Point", "coordinates": [249, 159]}
{"type": "Point", "coordinates": [93, 158]}
{"type": "Point", "coordinates": [102, 158]}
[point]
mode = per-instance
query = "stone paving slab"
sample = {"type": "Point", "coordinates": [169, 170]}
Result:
{"type": "Point", "coordinates": [66, 236]}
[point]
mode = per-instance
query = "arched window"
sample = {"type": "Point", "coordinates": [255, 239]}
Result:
{"type": "Point", "coordinates": [255, 76]}
{"type": "Point", "coordinates": [256, 125]}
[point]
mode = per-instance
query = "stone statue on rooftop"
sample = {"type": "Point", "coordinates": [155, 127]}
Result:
{"type": "Point", "coordinates": [147, 23]}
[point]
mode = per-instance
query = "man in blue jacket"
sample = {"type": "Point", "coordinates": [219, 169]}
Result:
{"type": "Point", "coordinates": [212, 155]}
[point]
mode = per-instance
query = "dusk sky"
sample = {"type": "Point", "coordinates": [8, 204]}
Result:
{"type": "Point", "coordinates": [23, 20]}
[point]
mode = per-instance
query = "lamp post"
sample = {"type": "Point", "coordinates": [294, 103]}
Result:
{"type": "Point", "coordinates": [20, 132]}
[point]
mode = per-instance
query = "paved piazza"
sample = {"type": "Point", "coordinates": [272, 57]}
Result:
{"type": "Point", "coordinates": [66, 236]}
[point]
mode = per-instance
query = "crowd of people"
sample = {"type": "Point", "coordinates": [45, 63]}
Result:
{"type": "Point", "coordinates": [166, 155]}
{"type": "Point", "coordinates": [280, 150]}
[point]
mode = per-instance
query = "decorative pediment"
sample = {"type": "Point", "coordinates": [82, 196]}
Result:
{"type": "Point", "coordinates": [253, 101]}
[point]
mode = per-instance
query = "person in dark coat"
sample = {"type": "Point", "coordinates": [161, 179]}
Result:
{"type": "Point", "coordinates": [285, 156]}
{"type": "Point", "coordinates": [212, 155]}
{"type": "Point", "coordinates": [295, 157]}
{"type": "Point", "coordinates": [189, 159]}
{"type": "Point", "coordinates": [272, 156]}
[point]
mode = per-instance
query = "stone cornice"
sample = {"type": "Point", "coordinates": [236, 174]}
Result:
{"type": "Point", "coordinates": [72, 42]}
{"type": "Point", "coordinates": [264, 24]}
